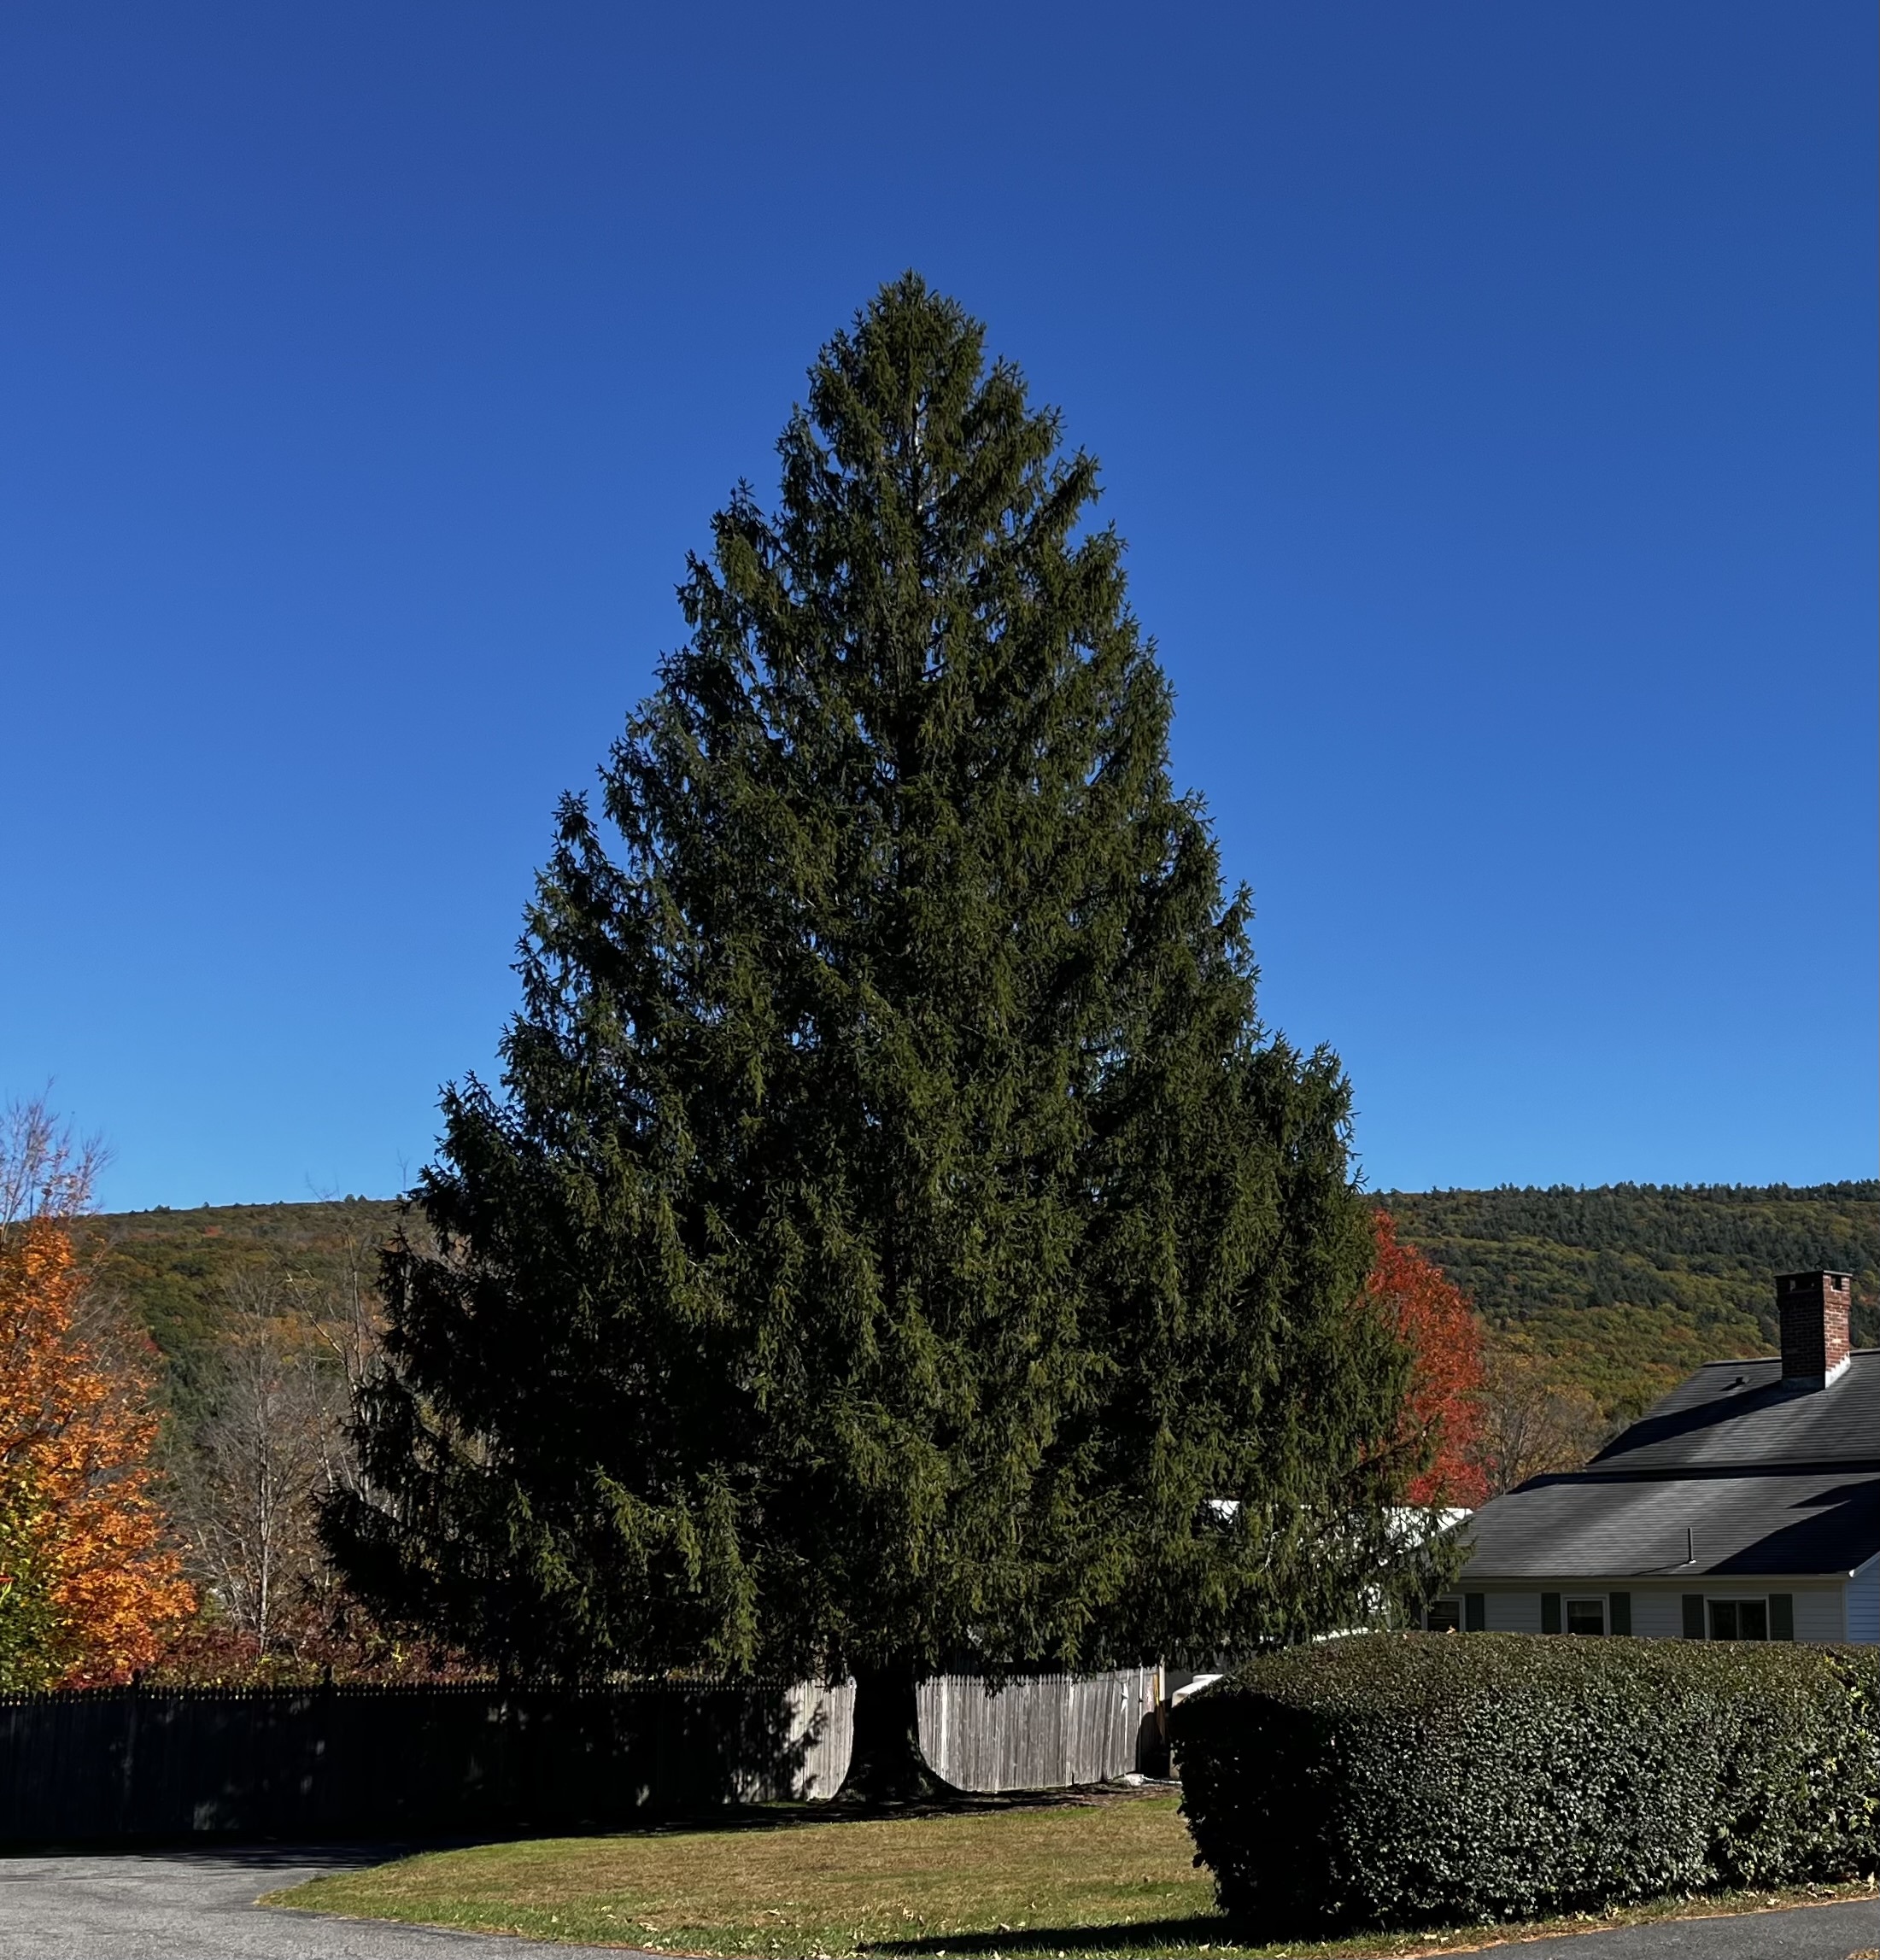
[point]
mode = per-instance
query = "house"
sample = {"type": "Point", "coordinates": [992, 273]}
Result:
{"type": "Point", "coordinates": [1745, 1506]}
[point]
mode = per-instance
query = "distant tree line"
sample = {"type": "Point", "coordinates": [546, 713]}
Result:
{"type": "Point", "coordinates": [245, 1326]}
{"type": "Point", "coordinates": [1622, 1289]}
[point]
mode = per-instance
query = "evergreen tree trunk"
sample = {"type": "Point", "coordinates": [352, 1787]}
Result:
{"type": "Point", "coordinates": [886, 1765]}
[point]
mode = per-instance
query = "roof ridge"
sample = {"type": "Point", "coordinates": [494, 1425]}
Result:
{"type": "Point", "coordinates": [1744, 1360]}
{"type": "Point", "coordinates": [1596, 1473]}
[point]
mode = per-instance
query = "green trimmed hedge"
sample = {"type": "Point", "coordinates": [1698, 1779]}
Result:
{"type": "Point", "coordinates": [1398, 1780]}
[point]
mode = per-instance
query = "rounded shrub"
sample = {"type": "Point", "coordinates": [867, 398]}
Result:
{"type": "Point", "coordinates": [1412, 1779]}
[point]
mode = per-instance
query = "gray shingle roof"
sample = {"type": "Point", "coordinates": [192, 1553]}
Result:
{"type": "Point", "coordinates": [1587, 1526]}
{"type": "Point", "coordinates": [1732, 1413]}
{"type": "Point", "coordinates": [1765, 1480]}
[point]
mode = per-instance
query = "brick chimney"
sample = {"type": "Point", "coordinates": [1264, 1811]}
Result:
{"type": "Point", "coordinates": [1813, 1308]}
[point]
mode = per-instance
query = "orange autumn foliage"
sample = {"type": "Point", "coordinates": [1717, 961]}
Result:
{"type": "Point", "coordinates": [86, 1535]}
{"type": "Point", "coordinates": [1437, 1323]}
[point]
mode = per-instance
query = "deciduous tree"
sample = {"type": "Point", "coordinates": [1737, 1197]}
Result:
{"type": "Point", "coordinates": [897, 1238]}
{"type": "Point", "coordinates": [271, 1446]}
{"type": "Point", "coordinates": [1442, 1414]}
{"type": "Point", "coordinates": [1535, 1419]}
{"type": "Point", "coordinates": [90, 1581]}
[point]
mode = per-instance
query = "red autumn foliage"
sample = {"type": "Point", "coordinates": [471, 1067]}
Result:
{"type": "Point", "coordinates": [1433, 1318]}
{"type": "Point", "coordinates": [315, 1642]}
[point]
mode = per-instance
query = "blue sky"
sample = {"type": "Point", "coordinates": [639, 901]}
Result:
{"type": "Point", "coordinates": [1487, 394]}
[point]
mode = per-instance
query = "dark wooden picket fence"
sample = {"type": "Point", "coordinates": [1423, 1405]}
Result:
{"type": "Point", "coordinates": [471, 1758]}
{"type": "Point", "coordinates": [374, 1762]}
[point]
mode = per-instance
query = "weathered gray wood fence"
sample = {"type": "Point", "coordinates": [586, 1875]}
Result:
{"type": "Point", "coordinates": [116, 1763]}
{"type": "Point", "coordinates": [1038, 1733]}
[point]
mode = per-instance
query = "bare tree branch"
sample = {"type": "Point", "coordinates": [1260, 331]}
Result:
{"type": "Point", "coordinates": [45, 1171]}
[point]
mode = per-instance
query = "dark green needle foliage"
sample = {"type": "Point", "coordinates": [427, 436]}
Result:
{"type": "Point", "coordinates": [896, 1233]}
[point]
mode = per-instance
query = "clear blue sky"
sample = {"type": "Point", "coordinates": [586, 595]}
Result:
{"type": "Point", "coordinates": [1487, 393]}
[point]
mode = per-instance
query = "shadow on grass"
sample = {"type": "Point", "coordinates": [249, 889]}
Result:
{"type": "Point", "coordinates": [1144, 1936]}
{"type": "Point", "coordinates": [803, 1815]}
{"type": "Point", "coordinates": [348, 1850]}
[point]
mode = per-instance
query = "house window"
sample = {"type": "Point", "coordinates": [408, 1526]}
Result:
{"type": "Point", "coordinates": [1586, 1616]}
{"type": "Point", "coordinates": [1738, 1619]}
{"type": "Point", "coordinates": [1443, 1616]}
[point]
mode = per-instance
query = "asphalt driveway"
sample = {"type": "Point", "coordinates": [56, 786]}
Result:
{"type": "Point", "coordinates": [200, 1905]}
{"type": "Point", "coordinates": [1803, 1932]}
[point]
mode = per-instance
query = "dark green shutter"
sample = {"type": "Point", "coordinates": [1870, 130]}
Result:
{"type": "Point", "coordinates": [1694, 1616]}
{"type": "Point", "coordinates": [1475, 1613]}
{"type": "Point", "coordinates": [1782, 1616]}
{"type": "Point", "coordinates": [1621, 1613]}
{"type": "Point", "coordinates": [1550, 1613]}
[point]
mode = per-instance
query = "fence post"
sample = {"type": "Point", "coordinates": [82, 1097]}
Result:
{"type": "Point", "coordinates": [127, 1786]}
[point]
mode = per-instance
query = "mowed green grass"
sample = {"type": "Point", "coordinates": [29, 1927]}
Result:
{"type": "Point", "coordinates": [828, 1886]}
{"type": "Point", "coordinates": [1091, 1880]}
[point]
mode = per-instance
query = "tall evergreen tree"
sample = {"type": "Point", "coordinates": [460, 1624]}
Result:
{"type": "Point", "coordinates": [896, 1237]}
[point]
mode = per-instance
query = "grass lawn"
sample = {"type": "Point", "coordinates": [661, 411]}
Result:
{"type": "Point", "coordinates": [1086, 1879]}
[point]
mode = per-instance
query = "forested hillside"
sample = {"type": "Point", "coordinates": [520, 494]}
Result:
{"type": "Point", "coordinates": [174, 1270]}
{"type": "Point", "coordinates": [1628, 1287]}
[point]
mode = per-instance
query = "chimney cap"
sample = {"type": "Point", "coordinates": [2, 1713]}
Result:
{"type": "Point", "coordinates": [1792, 1282]}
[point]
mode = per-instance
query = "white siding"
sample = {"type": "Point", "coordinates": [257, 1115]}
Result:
{"type": "Point", "coordinates": [1864, 1603]}
{"type": "Point", "coordinates": [1513, 1612]}
{"type": "Point", "coordinates": [1819, 1614]}
{"type": "Point", "coordinates": [1660, 1614]}
{"type": "Point", "coordinates": [1658, 1611]}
